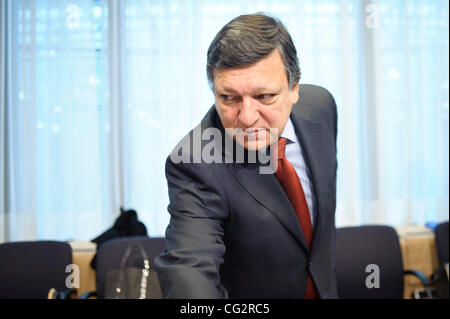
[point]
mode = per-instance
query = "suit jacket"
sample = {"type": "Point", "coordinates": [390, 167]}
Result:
{"type": "Point", "coordinates": [233, 232]}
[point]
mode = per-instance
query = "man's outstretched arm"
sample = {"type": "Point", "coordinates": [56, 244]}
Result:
{"type": "Point", "coordinates": [189, 266]}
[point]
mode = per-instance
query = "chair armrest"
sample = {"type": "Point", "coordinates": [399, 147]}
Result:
{"type": "Point", "coordinates": [423, 278]}
{"type": "Point", "coordinates": [89, 294]}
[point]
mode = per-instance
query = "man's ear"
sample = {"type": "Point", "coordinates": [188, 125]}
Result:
{"type": "Point", "coordinates": [294, 93]}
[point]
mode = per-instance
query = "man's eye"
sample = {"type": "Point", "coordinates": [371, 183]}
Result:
{"type": "Point", "coordinates": [226, 98]}
{"type": "Point", "coordinates": [265, 97]}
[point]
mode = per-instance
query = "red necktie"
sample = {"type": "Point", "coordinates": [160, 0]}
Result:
{"type": "Point", "coordinates": [288, 178]}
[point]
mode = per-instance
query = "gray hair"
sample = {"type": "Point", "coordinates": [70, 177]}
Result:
{"type": "Point", "coordinates": [249, 38]}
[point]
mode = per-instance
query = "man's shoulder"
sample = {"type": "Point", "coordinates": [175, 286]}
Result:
{"type": "Point", "coordinates": [315, 95]}
{"type": "Point", "coordinates": [315, 103]}
{"type": "Point", "coordinates": [190, 148]}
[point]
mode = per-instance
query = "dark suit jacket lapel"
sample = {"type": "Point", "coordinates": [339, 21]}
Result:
{"type": "Point", "coordinates": [266, 189]}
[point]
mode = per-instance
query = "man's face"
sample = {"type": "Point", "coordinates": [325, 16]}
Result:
{"type": "Point", "coordinates": [254, 99]}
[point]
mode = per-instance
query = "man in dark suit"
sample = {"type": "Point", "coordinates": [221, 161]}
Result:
{"type": "Point", "coordinates": [236, 231]}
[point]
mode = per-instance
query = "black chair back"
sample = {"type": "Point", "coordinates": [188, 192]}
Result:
{"type": "Point", "coordinates": [359, 247]}
{"type": "Point", "coordinates": [110, 256]}
{"type": "Point", "coordinates": [29, 269]}
{"type": "Point", "coordinates": [442, 240]}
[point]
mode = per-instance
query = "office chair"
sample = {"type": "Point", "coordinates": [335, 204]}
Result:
{"type": "Point", "coordinates": [440, 275]}
{"type": "Point", "coordinates": [110, 256]}
{"type": "Point", "coordinates": [29, 270]}
{"type": "Point", "coordinates": [369, 264]}
{"type": "Point", "coordinates": [442, 239]}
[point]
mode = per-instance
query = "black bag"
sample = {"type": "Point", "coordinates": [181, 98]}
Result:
{"type": "Point", "coordinates": [130, 282]}
{"type": "Point", "coordinates": [127, 224]}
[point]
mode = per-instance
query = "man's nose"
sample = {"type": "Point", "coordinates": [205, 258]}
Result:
{"type": "Point", "coordinates": [248, 113]}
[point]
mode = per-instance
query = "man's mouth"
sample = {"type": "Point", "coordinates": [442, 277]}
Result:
{"type": "Point", "coordinates": [254, 133]}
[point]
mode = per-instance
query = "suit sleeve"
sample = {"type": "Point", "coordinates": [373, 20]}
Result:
{"type": "Point", "coordinates": [189, 266]}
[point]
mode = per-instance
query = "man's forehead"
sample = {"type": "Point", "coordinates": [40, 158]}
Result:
{"type": "Point", "coordinates": [252, 84]}
{"type": "Point", "coordinates": [257, 89]}
{"type": "Point", "coordinates": [267, 73]}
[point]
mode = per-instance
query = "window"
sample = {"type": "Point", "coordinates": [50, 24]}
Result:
{"type": "Point", "coordinates": [100, 91]}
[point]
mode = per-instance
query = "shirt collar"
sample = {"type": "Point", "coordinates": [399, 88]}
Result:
{"type": "Point", "coordinates": [289, 132]}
